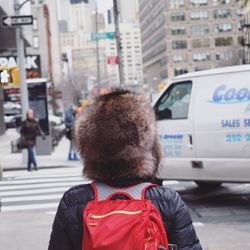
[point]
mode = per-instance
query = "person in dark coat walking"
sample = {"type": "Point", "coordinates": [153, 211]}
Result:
{"type": "Point", "coordinates": [117, 140]}
{"type": "Point", "coordinates": [30, 129]}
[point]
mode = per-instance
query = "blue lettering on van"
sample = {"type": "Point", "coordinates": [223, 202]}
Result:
{"type": "Point", "coordinates": [248, 108]}
{"type": "Point", "coordinates": [246, 123]}
{"type": "Point", "coordinates": [224, 95]}
{"type": "Point", "coordinates": [230, 123]}
{"type": "Point", "coordinates": [171, 137]}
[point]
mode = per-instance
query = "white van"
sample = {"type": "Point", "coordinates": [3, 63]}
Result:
{"type": "Point", "coordinates": [204, 126]}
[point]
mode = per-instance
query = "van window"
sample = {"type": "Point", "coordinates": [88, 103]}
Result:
{"type": "Point", "coordinates": [174, 103]}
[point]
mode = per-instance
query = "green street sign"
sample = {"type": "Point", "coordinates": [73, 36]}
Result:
{"type": "Point", "coordinates": [102, 36]}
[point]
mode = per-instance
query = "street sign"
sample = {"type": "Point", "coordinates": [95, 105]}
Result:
{"type": "Point", "coordinates": [113, 60]}
{"type": "Point", "coordinates": [101, 36]}
{"type": "Point", "coordinates": [12, 21]}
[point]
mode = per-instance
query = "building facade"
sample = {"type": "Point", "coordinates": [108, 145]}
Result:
{"type": "Point", "coordinates": [131, 55]}
{"type": "Point", "coordinates": [246, 29]}
{"type": "Point", "coordinates": [182, 36]}
{"type": "Point", "coordinates": [128, 11]}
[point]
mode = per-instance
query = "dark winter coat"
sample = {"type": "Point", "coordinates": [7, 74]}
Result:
{"type": "Point", "coordinates": [30, 129]}
{"type": "Point", "coordinates": [67, 229]}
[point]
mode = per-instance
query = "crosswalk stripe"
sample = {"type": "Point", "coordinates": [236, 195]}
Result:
{"type": "Point", "coordinates": [43, 185]}
{"type": "Point", "coordinates": [37, 191]}
{"type": "Point", "coordinates": [43, 173]}
{"type": "Point", "coordinates": [29, 207]}
{"type": "Point", "coordinates": [41, 190]}
{"type": "Point", "coordinates": [32, 198]}
{"type": "Point", "coordinates": [42, 180]}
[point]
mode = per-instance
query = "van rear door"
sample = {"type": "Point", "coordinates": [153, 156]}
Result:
{"type": "Point", "coordinates": [175, 128]}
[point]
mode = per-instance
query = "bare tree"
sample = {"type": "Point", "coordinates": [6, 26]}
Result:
{"type": "Point", "coordinates": [73, 87]}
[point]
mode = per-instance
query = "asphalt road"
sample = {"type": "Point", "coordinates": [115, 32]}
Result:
{"type": "Point", "coordinates": [221, 216]}
{"type": "Point", "coordinates": [29, 200]}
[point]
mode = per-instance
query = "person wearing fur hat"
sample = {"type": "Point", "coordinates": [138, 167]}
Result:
{"type": "Point", "coordinates": [117, 140]}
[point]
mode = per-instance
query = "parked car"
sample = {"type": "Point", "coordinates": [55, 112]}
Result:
{"type": "Point", "coordinates": [12, 121]}
{"type": "Point", "coordinates": [11, 108]}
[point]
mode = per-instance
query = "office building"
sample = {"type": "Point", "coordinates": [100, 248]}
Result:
{"type": "Point", "coordinates": [246, 30]}
{"type": "Point", "coordinates": [182, 36]}
{"type": "Point", "coordinates": [131, 55]}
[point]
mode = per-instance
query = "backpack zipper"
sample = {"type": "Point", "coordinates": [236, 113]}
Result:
{"type": "Point", "coordinates": [114, 212]}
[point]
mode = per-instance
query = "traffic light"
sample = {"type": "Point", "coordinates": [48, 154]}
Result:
{"type": "Point", "coordinates": [9, 76]}
{"type": "Point", "coordinates": [5, 77]}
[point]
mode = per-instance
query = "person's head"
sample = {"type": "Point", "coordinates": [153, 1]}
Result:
{"type": "Point", "coordinates": [30, 114]}
{"type": "Point", "coordinates": [116, 137]}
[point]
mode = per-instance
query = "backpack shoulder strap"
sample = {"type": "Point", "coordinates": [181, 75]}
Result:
{"type": "Point", "coordinates": [105, 192]}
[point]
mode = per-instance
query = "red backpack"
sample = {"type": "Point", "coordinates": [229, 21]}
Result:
{"type": "Point", "coordinates": [116, 224]}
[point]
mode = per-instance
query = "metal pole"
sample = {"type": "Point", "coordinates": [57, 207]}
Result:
{"type": "Point", "coordinates": [21, 65]}
{"type": "Point", "coordinates": [97, 48]}
{"type": "Point", "coordinates": [118, 44]}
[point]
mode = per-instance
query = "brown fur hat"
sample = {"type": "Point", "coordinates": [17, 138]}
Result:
{"type": "Point", "coordinates": [116, 137]}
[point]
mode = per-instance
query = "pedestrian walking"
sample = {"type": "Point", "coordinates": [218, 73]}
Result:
{"type": "Point", "coordinates": [69, 120]}
{"type": "Point", "coordinates": [117, 140]}
{"type": "Point", "coordinates": [29, 130]}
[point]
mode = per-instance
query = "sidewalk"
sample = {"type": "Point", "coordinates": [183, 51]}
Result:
{"type": "Point", "coordinates": [13, 161]}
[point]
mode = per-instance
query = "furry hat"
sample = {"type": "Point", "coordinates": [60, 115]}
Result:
{"type": "Point", "coordinates": [116, 137]}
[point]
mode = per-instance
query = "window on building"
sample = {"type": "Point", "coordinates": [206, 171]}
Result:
{"type": "Point", "coordinates": [200, 68]}
{"type": "Point", "coordinates": [174, 103]}
{"type": "Point", "coordinates": [176, 17]}
{"type": "Point", "coordinates": [175, 4]}
{"type": "Point", "coordinates": [222, 13]}
{"type": "Point", "coordinates": [180, 58]}
{"type": "Point", "coordinates": [178, 31]}
{"type": "Point", "coordinates": [241, 40]}
{"type": "Point", "coordinates": [199, 15]}
{"type": "Point", "coordinates": [179, 71]}
{"type": "Point", "coordinates": [198, 30]}
{"type": "Point", "coordinates": [200, 57]}
{"type": "Point", "coordinates": [223, 41]}
{"type": "Point", "coordinates": [240, 12]}
{"type": "Point", "coordinates": [200, 43]}
{"type": "Point", "coordinates": [179, 44]}
{"type": "Point", "coordinates": [224, 55]}
{"type": "Point", "coordinates": [222, 27]}
{"type": "Point", "coordinates": [198, 2]}
{"type": "Point", "coordinates": [221, 2]}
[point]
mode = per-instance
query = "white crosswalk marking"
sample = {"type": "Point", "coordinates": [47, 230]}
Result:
{"type": "Point", "coordinates": [41, 190]}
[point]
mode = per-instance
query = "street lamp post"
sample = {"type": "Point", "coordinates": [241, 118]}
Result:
{"type": "Point", "coordinates": [21, 62]}
{"type": "Point", "coordinates": [118, 43]}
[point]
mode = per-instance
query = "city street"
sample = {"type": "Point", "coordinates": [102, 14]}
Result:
{"type": "Point", "coordinates": [29, 201]}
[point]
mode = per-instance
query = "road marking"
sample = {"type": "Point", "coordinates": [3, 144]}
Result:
{"type": "Point", "coordinates": [32, 198]}
{"type": "Point", "coordinates": [40, 180]}
{"type": "Point", "coordinates": [37, 191]}
{"type": "Point", "coordinates": [51, 212]}
{"type": "Point", "coordinates": [29, 207]}
{"type": "Point", "coordinates": [198, 224]}
{"type": "Point", "coordinates": [44, 185]}
{"type": "Point", "coordinates": [170, 183]}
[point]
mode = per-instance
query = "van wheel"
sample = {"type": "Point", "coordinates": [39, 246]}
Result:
{"type": "Point", "coordinates": [208, 184]}
{"type": "Point", "coordinates": [158, 181]}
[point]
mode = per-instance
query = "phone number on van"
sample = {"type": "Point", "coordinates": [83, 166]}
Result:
{"type": "Point", "coordinates": [237, 137]}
